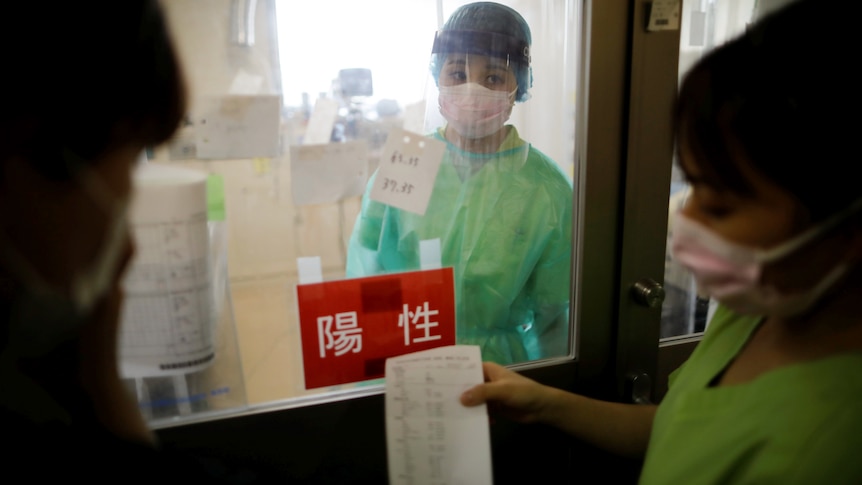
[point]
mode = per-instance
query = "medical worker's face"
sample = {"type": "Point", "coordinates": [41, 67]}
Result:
{"type": "Point", "coordinates": [766, 218]}
{"type": "Point", "coordinates": [490, 72]}
{"type": "Point", "coordinates": [763, 219]}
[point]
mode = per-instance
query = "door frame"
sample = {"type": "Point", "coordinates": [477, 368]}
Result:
{"type": "Point", "coordinates": [649, 154]}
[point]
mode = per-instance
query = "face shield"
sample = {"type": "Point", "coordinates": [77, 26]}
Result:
{"type": "Point", "coordinates": [476, 77]}
{"type": "Point", "coordinates": [511, 51]}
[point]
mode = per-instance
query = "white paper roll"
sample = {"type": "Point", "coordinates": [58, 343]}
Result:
{"type": "Point", "coordinates": [167, 326]}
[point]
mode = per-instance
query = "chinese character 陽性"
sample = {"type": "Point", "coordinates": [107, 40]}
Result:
{"type": "Point", "coordinates": [421, 321]}
{"type": "Point", "coordinates": [345, 337]}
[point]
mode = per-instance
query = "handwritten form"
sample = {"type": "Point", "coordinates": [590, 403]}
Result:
{"type": "Point", "coordinates": [432, 439]}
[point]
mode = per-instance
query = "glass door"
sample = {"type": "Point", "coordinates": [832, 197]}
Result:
{"type": "Point", "coordinates": [592, 115]}
{"type": "Point", "coordinates": [343, 76]}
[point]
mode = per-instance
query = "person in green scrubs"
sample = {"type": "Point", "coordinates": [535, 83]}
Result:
{"type": "Point", "coordinates": [773, 231]}
{"type": "Point", "coordinates": [500, 208]}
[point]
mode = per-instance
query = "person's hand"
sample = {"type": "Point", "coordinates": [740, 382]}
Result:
{"type": "Point", "coordinates": [617, 427]}
{"type": "Point", "coordinates": [509, 394]}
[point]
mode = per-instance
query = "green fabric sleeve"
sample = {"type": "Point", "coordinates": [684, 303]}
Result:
{"type": "Point", "coordinates": [362, 248]}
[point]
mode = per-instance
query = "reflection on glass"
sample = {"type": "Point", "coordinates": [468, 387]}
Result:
{"type": "Point", "coordinates": [705, 25]}
{"type": "Point", "coordinates": [683, 310]}
{"type": "Point", "coordinates": [501, 209]}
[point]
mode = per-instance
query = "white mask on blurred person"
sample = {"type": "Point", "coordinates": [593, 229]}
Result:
{"type": "Point", "coordinates": [475, 111]}
{"type": "Point", "coordinates": [732, 274]}
{"type": "Point", "coordinates": [43, 315]}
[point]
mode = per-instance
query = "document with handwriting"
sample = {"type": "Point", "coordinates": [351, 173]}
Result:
{"type": "Point", "coordinates": [431, 438]}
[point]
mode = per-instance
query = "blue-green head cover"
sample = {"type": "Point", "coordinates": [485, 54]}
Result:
{"type": "Point", "coordinates": [489, 29]}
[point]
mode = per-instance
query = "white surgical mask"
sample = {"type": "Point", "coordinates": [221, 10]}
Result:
{"type": "Point", "coordinates": [43, 315]}
{"type": "Point", "coordinates": [732, 274]}
{"type": "Point", "coordinates": [475, 111]}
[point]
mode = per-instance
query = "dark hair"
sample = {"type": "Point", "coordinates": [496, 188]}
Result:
{"type": "Point", "coordinates": [86, 78]}
{"type": "Point", "coordinates": [783, 97]}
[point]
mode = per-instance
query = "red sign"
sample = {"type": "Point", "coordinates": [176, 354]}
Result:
{"type": "Point", "coordinates": [350, 327]}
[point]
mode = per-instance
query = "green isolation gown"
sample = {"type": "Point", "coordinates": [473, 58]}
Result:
{"type": "Point", "coordinates": [797, 424]}
{"type": "Point", "coordinates": [504, 221]}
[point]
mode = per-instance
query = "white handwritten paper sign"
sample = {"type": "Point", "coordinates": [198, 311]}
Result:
{"type": "Point", "coordinates": [329, 172]}
{"type": "Point", "coordinates": [237, 126]}
{"type": "Point", "coordinates": [430, 437]}
{"type": "Point", "coordinates": [407, 170]}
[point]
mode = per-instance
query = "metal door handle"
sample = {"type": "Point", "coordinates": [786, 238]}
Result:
{"type": "Point", "coordinates": [640, 388]}
{"type": "Point", "coordinates": [648, 293]}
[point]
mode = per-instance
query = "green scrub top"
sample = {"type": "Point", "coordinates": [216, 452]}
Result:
{"type": "Point", "coordinates": [504, 221]}
{"type": "Point", "coordinates": [799, 424]}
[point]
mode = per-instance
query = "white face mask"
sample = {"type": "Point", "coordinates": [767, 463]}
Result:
{"type": "Point", "coordinates": [44, 315]}
{"type": "Point", "coordinates": [732, 273]}
{"type": "Point", "coordinates": [475, 111]}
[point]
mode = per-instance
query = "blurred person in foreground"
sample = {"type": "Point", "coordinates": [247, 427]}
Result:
{"type": "Point", "coordinates": [86, 87]}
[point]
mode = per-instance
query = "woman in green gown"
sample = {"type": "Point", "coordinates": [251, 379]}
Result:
{"type": "Point", "coordinates": [501, 209]}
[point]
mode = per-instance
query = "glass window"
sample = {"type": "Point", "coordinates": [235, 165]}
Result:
{"type": "Point", "coordinates": [705, 25]}
{"type": "Point", "coordinates": [348, 73]}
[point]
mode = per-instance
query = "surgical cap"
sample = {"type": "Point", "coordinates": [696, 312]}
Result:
{"type": "Point", "coordinates": [489, 29]}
